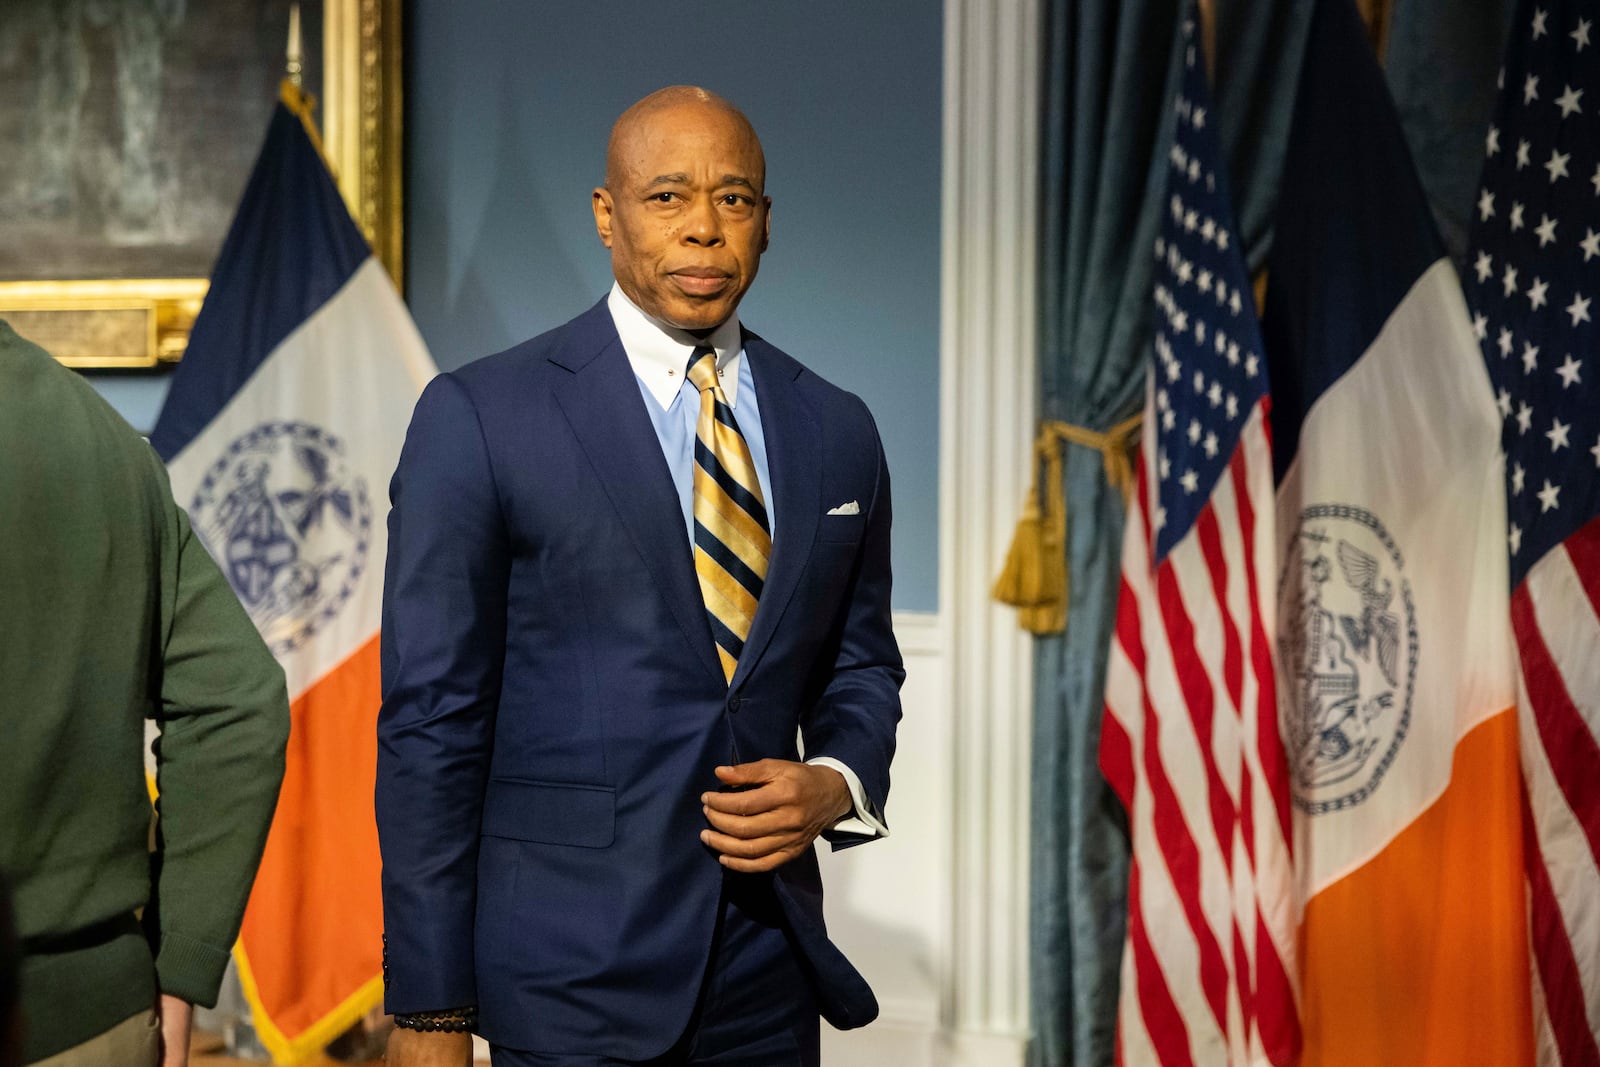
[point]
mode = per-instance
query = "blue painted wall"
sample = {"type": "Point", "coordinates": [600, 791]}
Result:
{"type": "Point", "coordinates": [508, 107]}
{"type": "Point", "coordinates": [137, 397]}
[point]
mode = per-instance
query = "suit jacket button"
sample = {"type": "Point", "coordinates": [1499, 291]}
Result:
{"type": "Point", "coordinates": [734, 702]}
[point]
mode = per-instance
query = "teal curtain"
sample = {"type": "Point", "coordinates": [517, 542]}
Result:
{"type": "Point", "coordinates": [1111, 70]}
{"type": "Point", "coordinates": [1441, 61]}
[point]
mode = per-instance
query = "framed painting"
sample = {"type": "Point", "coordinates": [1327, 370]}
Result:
{"type": "Point", "coordinates": [136, 124]}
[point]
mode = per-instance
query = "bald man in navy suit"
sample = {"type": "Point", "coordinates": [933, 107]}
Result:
{"type": "Point", "coordinates": [597, 823]}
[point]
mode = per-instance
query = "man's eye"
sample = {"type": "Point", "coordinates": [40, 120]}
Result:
{"type": "Point", "coordinates": [663, 198]}
{"type": "Point", "coordinates": [733, 200]}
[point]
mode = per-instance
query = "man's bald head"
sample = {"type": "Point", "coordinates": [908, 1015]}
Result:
{"type": "Point", "coordinates": [684, 208]}
{"type": "Point", "coordinates": [640, 123]}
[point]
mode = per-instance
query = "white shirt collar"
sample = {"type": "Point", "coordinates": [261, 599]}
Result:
{"type": "Point", "coordinates": [660, 353]}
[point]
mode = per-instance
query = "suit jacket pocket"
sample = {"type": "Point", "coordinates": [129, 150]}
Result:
{"type": "Point", "coordinates": [551, 813]}
{"type": "Point", "coordinates": [841, 528]}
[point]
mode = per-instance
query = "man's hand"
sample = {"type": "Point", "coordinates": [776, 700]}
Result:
{"type": "Point", "coordinates": [417, 1048]}
{"type": "Point", "coordinates": [780, 810]}
{"type": "Point", "coordinates": [177, 1016]}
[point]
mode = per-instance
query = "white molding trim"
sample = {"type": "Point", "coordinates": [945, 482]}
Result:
{"type": "Point", "coordinates": [919, 633]}
{"type": "Point", "coordinates": [987, 414]}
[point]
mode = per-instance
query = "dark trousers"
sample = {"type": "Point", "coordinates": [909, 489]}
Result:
{"type": "Point", "coordinates": [756, 1006]}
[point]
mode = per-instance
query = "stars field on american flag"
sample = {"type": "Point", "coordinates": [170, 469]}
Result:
{"type": "Point", "coordinates": [1533, 275]}
{"type": "Point", "coordinates": [1209, 372]}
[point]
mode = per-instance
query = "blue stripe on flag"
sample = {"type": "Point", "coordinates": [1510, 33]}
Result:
{"type": "Point", "coordinates": [1353, 231]}
{"type": "Point", "coordinates": [291, 247]}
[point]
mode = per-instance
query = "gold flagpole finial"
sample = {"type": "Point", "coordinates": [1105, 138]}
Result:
{"type": "Point", "coordinates": [290, 90]}
{"type": "Point", "coordinates": [294, 65]}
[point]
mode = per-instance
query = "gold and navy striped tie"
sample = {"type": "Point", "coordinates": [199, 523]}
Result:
{"type": "Point", "coordinates": [732, 538]}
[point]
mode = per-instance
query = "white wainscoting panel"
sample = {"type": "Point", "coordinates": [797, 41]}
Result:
{"type": "Point", "coordinates": [891, 904]}
{"type": "Point", "coordinates": [888, 903]}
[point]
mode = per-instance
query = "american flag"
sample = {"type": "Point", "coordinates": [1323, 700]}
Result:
{"type": "Point", "coordinates": [1533, 279]}
{"type": "Point", "coordinates": [1190, 739]}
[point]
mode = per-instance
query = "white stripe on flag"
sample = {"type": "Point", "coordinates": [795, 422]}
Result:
{"type": "Point", "coordinates": [1215, 766]}
{"type": "Point", "coordinates": [1274, 866]}
{"type": "Point", "coordinates": [353, 369]}
{"type": "Point", "coordinates": [1567, 859]}
{"type": "Point", "coordinates": [1410, 434]}
{"type": "Point", "coordinates": [1132, 1037]}
{"type": "Point", "coordinates": [1160, 909]}
{"type": "Point", "coordinates": [1571, 633]}
{"type": "Point", "coordinates": [1545, 1051]}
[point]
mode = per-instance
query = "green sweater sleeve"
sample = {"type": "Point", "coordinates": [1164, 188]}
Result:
{"type": "Point", "coordinates": [224, 725]}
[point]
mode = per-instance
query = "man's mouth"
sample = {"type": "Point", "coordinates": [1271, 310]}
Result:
{"type": "Point", "coordinates": [700, 281]}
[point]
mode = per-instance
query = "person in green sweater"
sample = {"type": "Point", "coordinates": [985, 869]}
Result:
{"type": "Point", "coordinates": [112, 613]}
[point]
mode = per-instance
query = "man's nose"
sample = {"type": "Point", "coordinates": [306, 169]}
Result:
{"type": "Point", "coordinates": [703, 226]}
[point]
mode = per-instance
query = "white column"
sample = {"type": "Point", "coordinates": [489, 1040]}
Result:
{"type": "Point", "coordinates": [988, 364]}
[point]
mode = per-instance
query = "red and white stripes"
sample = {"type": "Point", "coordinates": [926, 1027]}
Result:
{"type": "Point", "coordinates": [1190, 743]}
{"type": "Point", "coordinates": [1555, 615]}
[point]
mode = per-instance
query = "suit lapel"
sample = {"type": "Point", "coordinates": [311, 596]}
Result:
{"type": "Point", "coordinates": [605, 410]}
{"type": "Point", "coordinates": [794, 456]}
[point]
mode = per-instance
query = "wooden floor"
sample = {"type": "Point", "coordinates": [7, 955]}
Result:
{"type": "Point", "coordinates": [220, 1060]}
{"type": "Point", "coordinates": [206, 1050]}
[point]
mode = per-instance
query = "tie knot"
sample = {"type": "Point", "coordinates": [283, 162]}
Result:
{"type": "Point", "coordinates": [703, 369]}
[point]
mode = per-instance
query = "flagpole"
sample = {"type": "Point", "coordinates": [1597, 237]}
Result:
{"type": "Point", "coordinates": [292, 91]}
{"type": "Point", "coordinates": [294, 65]}
{"type": "Point", "coordinates": [234, 1014]}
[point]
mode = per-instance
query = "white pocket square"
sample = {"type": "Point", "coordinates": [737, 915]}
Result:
{"type": "Point", "coordinates": [851, 508]}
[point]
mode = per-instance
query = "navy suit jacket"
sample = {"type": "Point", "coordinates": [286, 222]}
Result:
{"type": "Point", "coordinates": [553, 704]}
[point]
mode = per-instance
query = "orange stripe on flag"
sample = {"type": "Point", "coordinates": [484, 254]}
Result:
{"type": "Point", "coordinates": [317, 894]}
{"type": "Point", "coordinates": [1420, 956]}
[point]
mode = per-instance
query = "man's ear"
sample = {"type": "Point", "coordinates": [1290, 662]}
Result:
{"type": "Point", "coordinates": [601, 202]}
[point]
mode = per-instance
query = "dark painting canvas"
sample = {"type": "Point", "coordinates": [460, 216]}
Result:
{"type": "Point", "coordinates": [131, 126]}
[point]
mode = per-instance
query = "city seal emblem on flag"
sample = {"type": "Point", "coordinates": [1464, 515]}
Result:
{"type": "Point", "coordinates": [1348, 638]}
{"type": "Point", "coordinates": [289, 524]}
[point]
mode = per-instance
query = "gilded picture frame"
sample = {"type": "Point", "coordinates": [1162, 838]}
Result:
{"type": "Point", "coordinates": [144, 322]}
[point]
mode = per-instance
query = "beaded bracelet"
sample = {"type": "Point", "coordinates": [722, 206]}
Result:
{"type": "Point", "coordinates": [455, 1021]}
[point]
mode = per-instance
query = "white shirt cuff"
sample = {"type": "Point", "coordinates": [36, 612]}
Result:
{"type": "Point", "coordinates": [862, 819]}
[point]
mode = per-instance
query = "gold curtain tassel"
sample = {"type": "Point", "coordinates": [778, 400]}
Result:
{"type": "Point", "coordinates": [1034, 577]}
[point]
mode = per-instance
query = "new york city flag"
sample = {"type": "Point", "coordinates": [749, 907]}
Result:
{"type": "Point", "coordinates": [281, 430]}
{"type": "Point", "coordinates": [1395, 681]}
